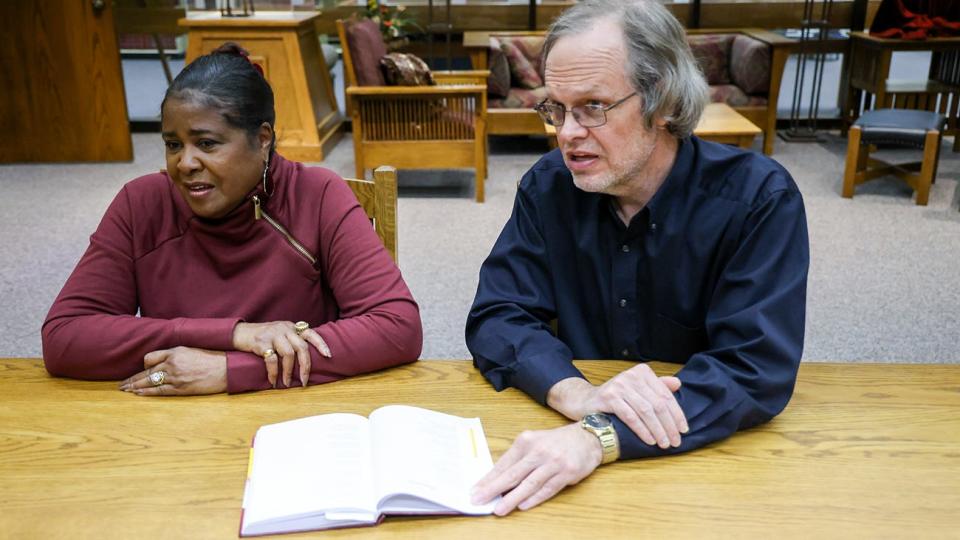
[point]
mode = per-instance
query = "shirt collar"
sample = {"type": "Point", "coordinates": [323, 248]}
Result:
{"type": "Point", "coordinates": [660, 204]}
{"type": "Point", "coordinates": [280, 170]}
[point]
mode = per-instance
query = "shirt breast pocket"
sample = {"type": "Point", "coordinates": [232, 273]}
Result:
{"type": "Point", "coordinates": [676, 342]}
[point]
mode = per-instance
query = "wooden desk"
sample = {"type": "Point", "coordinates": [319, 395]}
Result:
{"type": "Point", "coordinates": [862, 450]}
{"type": "Point", "coordinates": [285, 44]}
{"type": "Point", "coordinates": [719, 123]}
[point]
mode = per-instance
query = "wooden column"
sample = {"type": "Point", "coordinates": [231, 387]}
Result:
{"type": "Point", "coordinates": [285, 44]}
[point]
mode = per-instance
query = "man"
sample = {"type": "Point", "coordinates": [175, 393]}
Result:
{"type": "Point", "coordinates": [643, 243]}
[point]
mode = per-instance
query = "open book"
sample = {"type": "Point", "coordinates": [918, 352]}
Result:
{"type": "Point", "coordinates": [344, 470]}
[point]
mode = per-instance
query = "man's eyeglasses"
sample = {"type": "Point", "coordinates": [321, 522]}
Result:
{"type": "Point", "coordinates": [588, 116]}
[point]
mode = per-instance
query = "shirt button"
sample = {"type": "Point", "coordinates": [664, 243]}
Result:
{"type": "Point", "coordinates": [653, 226]}
{"type": "Point", "coordinates": [625, 248]}
{"type": "Point", "coordinates": [623, 302]}
{"type": "Point", "coordinates": [625, 353]}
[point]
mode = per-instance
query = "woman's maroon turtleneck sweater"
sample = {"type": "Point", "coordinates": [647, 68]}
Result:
{"type": "Point", "coordinates": [192, 280]}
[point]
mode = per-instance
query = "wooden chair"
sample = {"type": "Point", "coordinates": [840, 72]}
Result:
{"type": "Point", "coordinates": [415, 127]}
{"type": "Point", "coordinates": [378, 197]}
{"type": "Point", "coordinates": [901, 127]}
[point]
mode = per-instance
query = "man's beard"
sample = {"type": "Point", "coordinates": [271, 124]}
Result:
{"type": "Point", "coordinates": [614, 176]}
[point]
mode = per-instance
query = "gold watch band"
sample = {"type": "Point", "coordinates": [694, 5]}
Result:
{"type": "Point", "coordinates": [600, 425]}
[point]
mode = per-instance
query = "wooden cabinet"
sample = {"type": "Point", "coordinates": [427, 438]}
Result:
{"type": "Point", "coordinates": [285, 44]}
{"type": "Point", "coordinates": [62, 96]}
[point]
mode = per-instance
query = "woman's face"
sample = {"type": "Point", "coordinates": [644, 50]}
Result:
{"type": "Point", "coordinates": [213, 164]}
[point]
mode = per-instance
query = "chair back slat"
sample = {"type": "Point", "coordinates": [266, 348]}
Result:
{"type": "Point", "coordinates": [378, 198]}
{"type": "Point", "coordinates": [418, 119]}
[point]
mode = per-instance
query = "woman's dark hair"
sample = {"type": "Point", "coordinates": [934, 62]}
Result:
{"type": "Point", "coordinates": [227, 81]}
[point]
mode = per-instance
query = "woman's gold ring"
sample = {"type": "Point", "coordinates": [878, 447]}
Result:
{"type": "Point", "coordinates": [301, 327]}
{"type": "Point", "coordinates": [158, 377]}
{"type": "Point", "coordinates": [268, 353]}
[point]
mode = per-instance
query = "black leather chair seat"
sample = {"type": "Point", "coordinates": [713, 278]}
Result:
{"type": "Point", "coordinates": [903, 127]}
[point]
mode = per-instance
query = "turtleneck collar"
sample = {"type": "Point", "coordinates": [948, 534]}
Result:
{"type": "Point", "coordinates": [243, 214]}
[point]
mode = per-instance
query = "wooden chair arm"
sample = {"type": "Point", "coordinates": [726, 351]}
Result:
{"type": "Point", "coordinates": [770, 38]}
{"type": "Point", "coordinates": [469, 76]}
{"type": "Point", "coordinates": [482, 73]}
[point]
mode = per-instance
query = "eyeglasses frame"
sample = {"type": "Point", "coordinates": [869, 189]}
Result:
{"type": "Point", "coordinates": [540, 108]}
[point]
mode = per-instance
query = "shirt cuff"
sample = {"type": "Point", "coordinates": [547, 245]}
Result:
{"type": "Point", "coordinates": [537, 375]}
{"type": "Point", "coordinates": [215, 334]}
{"type": "Point", "coordinates": [245, 372]}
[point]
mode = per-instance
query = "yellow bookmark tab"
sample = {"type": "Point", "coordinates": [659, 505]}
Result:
{"type": "Point", "coordinates": [250, 463]}
{"type": "Point", "coordinates": [473, 442]}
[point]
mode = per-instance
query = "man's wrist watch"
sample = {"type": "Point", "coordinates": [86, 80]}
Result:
{"type": "Point", "coordinates": [600, 425]}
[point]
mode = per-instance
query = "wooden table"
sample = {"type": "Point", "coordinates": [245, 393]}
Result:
{"type": "Point", "coordinates": [285, 44]}
{"type": "Point", "coordinates": [719, 123]}
{"type": "Point", "coordinates": [863, 450]}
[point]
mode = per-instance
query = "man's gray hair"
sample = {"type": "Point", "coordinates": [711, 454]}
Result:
{"type": "Point", "coordinates": [660, 66]}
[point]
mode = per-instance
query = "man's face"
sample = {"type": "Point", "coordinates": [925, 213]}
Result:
{"type": "Point", "coordinates": [590, 68]}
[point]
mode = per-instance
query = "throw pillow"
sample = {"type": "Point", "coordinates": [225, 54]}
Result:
{"type": "Point", "coordinates": [750, 65]}
{"type": "Point", "coordinates": [498, 83]}
{"type": "Point", "coordinates": [403, 69]}
{"type": "Point", "coordinates": [523, 71]}
{"type": "Point", "coordinates": [366, 49]}
{"type": "Point", "coordinates": [712, 52]}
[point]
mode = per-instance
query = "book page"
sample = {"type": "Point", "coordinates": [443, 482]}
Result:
{"type": "Point", "coordinates": [429, 455]}
{"type": "Point", "coordinates": [310, 466]}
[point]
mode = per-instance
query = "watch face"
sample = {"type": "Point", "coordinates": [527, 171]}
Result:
{"type": "Point", "coordinates": [597, 420]}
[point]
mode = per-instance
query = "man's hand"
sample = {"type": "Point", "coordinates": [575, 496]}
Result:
{"type": "Point", "coordinates": [186, 371]}
{"type": "Point", "coordinates": [538, 466]}
{"type": "Point", "coordinates": [637, 396]}
{"type": "Point", "coordinates": [282, 338]}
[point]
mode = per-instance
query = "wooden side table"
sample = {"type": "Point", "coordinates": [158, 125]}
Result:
{"type": "Point", "coordinates": [285, 44]}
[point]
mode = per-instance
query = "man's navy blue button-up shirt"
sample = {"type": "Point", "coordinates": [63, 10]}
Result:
{"type": "Point", "coordinates": [711, 274]}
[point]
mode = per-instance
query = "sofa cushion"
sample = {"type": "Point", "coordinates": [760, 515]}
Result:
{"type": "Point", "coordinates": [733, 96]}
{"type": "Point", "coordinates": [523, 56]}
{"type": "Point", "coordinates": [750, 65]}
{"type": "Point", "coordinates": [712, 52]}
{"type": "Point", "coordinates": [498, 83]}
{"type": "Point", "coordinates": [366, 49]}
{"type": "Point", "coordinates": [402, 69]}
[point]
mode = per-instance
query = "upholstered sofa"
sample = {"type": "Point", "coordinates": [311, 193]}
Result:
{"type": "Point", "coordinates": [743, 68]}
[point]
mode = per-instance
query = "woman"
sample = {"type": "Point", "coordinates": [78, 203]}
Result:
{"type": "Point", "coordinates": [220, 253]}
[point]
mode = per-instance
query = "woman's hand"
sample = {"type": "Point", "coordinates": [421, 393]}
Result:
{"type": "Point", "coordinates": [281, 339]}
{"type": "Point", "coordinates": [181, 371]}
